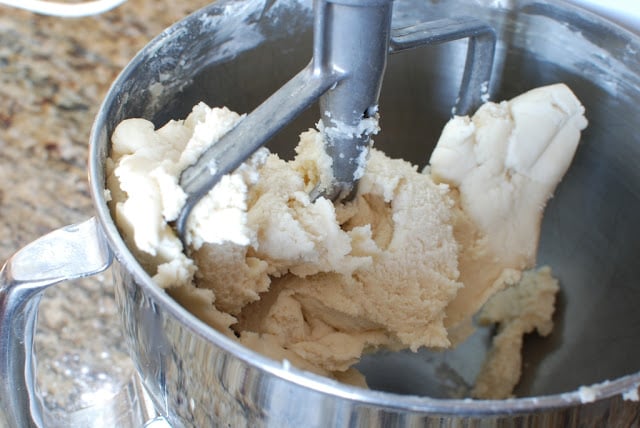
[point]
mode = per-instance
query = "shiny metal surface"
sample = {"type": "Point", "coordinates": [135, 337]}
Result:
{"type": "Point", "coordinates": [67, 253]}
{"type": "Point", "coordinates": [356, 41]}
{"type": "Point", "coordinates": [196, 377]}
{"type": "Point", "coordinates": [623, 12]}
{"type": "Point", "coordinates": [481, 46]}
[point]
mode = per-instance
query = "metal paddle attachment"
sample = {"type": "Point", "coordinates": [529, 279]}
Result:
{"type": "Point", "coordinates": [352, 39]}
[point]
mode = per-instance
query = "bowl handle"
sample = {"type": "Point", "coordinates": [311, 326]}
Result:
{"type": "Point", "coordinates": [68, 253]}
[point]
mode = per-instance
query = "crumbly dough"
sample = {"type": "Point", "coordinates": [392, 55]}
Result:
{"type": "Point", "coordinates": [518, 310]}
{"type": "Point", "coordinates": [406, 264]}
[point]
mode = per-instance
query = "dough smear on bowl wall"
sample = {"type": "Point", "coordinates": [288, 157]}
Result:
{"type": "Point", "coordinates": [405, 265]}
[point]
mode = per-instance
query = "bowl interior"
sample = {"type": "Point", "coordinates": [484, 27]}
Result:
{"type": "Point", "coordinates": [590, 235]}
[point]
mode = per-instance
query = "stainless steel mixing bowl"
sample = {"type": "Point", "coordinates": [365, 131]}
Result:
{"type": "Point", "coordinates": [236, 53]}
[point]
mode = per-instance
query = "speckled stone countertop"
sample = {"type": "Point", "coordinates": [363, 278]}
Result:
{"type": "Point", "coordinates": [54, 73]}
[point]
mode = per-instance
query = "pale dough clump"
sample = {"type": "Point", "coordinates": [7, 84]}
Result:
{"type": "Point", "coordinates": [519, 309]}
{"type": "Point", "coordinates": [406, 264]}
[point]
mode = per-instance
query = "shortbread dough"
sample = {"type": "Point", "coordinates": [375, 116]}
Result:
{"type": "Point", "coordinates": [406, 264]}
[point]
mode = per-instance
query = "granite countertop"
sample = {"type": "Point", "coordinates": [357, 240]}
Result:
{"type": "Point", "coordinates": [54, 73]}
